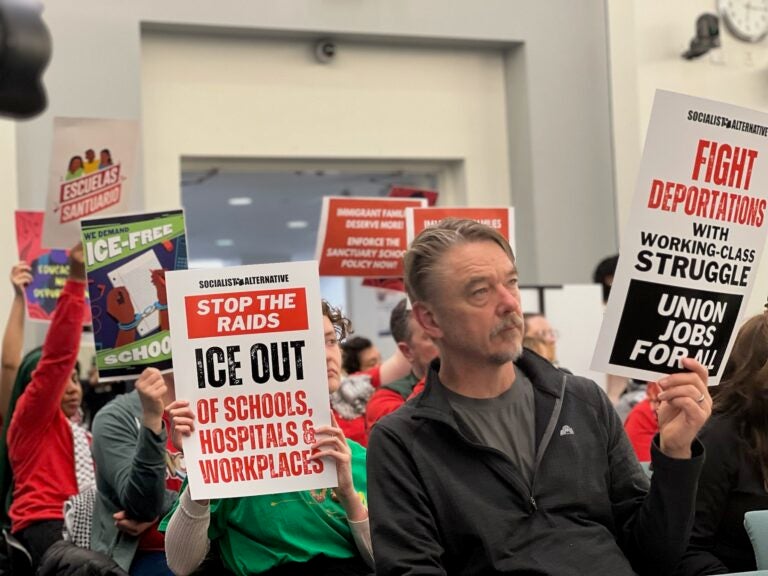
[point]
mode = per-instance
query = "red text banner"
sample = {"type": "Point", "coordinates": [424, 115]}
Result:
{"type": "Point", "coordinates": [253, 312]}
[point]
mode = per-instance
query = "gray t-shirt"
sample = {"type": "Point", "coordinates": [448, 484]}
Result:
{"type": "Point", "coordinates": [506, 423]}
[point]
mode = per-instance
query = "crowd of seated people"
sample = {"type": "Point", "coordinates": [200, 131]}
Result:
{"type": "Point", "coordinates": [144, 522]}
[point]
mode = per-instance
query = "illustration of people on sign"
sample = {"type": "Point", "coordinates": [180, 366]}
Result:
{"type": "Point", "coordinates": [91, 164]}
{"type": "Point", "coordinates": [105, 159]}
{"type": "Point", "coordinates": [78, 167]}
{"type": "Point", "coordinates": [75, 168]}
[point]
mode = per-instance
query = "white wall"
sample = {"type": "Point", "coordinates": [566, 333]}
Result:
{"type": "Point", "coordinates": [374, 102]}
{"type": "Point", "coordinates": [556, 86]}
{"type": "Point", "coordinates": [647, 38]}
{"type": "Point", "coordinates": [273, 100]}
{"type": "Point", "coordinates": [8, 257]}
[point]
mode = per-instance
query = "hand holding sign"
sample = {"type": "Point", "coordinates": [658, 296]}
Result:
{"type": "Point", "coordinates": [334, 444]}
{"type": "Point", "coordinates": [21, 276]}
{"type": "Point", "coordinates": [182, 422]}
{"type": "Point", "coordinates": [685, 405]}
{"type": "Point", "coordinates": [77, 263]}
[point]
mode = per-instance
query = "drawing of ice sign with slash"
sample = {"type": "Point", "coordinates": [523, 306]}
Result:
{"type": "Point", "coordinates": [136, 277]}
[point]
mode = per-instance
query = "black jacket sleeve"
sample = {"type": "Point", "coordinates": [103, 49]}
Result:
{"type": "Point", "coordinates": [652, 528]}
{"type": "Point", "coordinates": [403, 529]}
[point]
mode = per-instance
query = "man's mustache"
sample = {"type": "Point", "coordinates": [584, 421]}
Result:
{"type": "Point", "coordinates": [512, 321]}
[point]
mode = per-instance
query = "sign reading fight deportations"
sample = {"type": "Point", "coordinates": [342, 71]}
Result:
{"type": "Point", "coordinates": [500, 219]}
{"type": "Point", "coordinates": [363, 236]}
{"type": "Point", "coordinates": [248, 354]}
{"type": "Point", "coordinates": [689, 256]}
{"type": "Point", "coordinates": [126, 258]}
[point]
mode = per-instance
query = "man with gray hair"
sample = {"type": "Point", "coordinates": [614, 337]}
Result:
{"type": "Point", "coordinates": [506, 464]}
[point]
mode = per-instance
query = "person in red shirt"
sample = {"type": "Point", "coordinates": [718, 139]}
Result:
{"type": "Point", "coordinates": [349, 401]}
{"type": "Point", "coordinates": [418, 349]}
{"type": "Point", "coordinates": [642, 425]}
{"type": "Point", "coordinates": [42, 441]}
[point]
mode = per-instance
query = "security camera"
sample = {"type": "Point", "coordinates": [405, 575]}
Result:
{"type": "Point", "coordinates": [325, 51]}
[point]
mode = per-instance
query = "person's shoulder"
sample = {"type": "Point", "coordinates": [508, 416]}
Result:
{"type": "Point", "coordinates": [121, 406]}
{"type": "Point", "coordinates": [356, 448]}
{"type": "Point", "coordinates": [401, 423]}
{"type": "Point", "coordinates": [546, 376]}
{"type": "Point", "coordinates": [720, 428]}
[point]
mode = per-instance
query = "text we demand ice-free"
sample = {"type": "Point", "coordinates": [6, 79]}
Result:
{"type": "Point", "coordinates": [248, 353]}
{"type": "Point", "coordinates": [697, 230]}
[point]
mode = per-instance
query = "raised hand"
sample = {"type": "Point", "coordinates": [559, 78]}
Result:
{"type": "Point", "coordinates": [77, 263]}
{"type": "Point", "coordinates": [684, 407]}
{"type": "Point", "coordinates": [21, 277]}
{"type": "Point", "coordinates": [152, 389]}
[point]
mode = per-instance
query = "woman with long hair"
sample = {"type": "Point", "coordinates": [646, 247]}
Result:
{"type": "Point", "coordinates": [734, 479]}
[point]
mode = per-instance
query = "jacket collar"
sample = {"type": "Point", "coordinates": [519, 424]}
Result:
{"type": "Point", "coordinates": [545, 378]}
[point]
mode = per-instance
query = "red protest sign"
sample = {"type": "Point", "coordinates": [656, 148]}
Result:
{"type": "Point", "coordinates": [406, 192]}
{"type": "Point", "coordinates": [500, 218]}
{"type": "Point", "coordinates": [363, 236]}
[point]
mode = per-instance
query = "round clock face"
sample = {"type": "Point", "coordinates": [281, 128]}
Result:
{"type": "Point", "coordinates": [745, 19]}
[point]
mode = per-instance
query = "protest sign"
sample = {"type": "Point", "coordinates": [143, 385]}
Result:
{"type": "Point", "coordinates": [50, 268]}
{"type": "Point", "coordinates": [248, 353]}
{"type": "Point", "coordinates": [92, 173]}
{"type": "Point", "coordinates": [697, 229]}
{"type": "Point", "coordinates": [499, 218]}
{"type": "Point", "coordinates": [126, 258]}
{"type": "Point", "coordinates": [407, 192]}
{"type": "Point", "coordinates": [363, 236]}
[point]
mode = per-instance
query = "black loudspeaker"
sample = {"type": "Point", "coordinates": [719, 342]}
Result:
{"type": "Point", "coordinates": [25, 49]}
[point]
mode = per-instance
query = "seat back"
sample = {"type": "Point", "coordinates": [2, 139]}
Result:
{"type": "Point", "coordinates": [756, 523]}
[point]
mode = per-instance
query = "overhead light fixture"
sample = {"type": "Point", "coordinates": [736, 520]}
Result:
{"type": "Point", "coordinates": [296, 224]}
{"type": "Point", "coordinates": [240, 201]}
{"type": "Point", "coordinates": [225, 242]}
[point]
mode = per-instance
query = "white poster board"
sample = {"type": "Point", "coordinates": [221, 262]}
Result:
{"type": "Point", "coordinates": [92, 174]}
{"type": "Point", "coordinates": [248, 353]}
{"type": "Point", "coordinates": [697, 230]}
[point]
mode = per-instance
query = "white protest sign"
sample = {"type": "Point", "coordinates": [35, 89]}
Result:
{"type": "Point", "coordinates": [688, 258]}
{"type": "Point", "coordinates": [92, 174]}
{"type": "Point", "coordinates": [248, 353]}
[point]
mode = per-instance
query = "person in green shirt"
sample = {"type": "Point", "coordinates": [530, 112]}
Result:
{"type": "Point", "coordinates": [318, 532]}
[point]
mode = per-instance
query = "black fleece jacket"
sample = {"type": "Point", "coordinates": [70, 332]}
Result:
{"type": "Point", "coordinates": [442, 503]}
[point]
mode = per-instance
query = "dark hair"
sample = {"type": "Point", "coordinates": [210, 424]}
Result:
{"type": "Point", "coordinates": [743, 390]}
{"type": "Point", "coordinates": [399, 325]}
{"type": "Point", "coordinates": [69, 166]}
{"type": "Point", "coordinates": [341, 323]}
{"type": "Point", "coordinates": [350, 353]}
{"type": "Point", "coordinates": [605, 269]}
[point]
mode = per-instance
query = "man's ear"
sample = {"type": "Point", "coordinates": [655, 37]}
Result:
{"type": "Point", "coordinates": [427, 320]}
{"type": "Point", "coordinates": [406, 351]}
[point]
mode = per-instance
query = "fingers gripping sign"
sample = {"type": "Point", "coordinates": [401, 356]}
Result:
{"type": "Point", "coordinates": [331, 442]}
{"type": "Point", "coordinates": [182, 422]}
{"type": "Point", "coordinates": [684, 407]}
{"type": "Point", "coordinates": [21, 277]}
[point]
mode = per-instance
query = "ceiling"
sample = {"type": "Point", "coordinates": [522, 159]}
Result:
{"type": "Point", "coordinates": [220, 234]}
